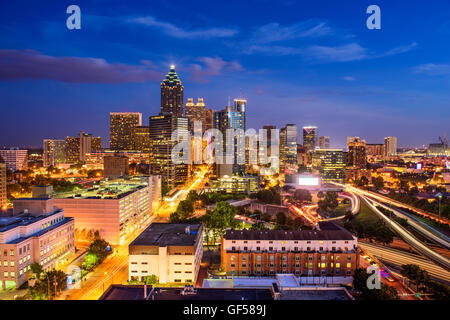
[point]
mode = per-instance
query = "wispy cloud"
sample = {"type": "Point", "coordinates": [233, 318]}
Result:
{"type": "Point", "coordinates": [177, 32]}
{"type": "Point", "coordinates": [400, 49]}
{"type": "Point", "coordinates": [211, 66]}
{"type": "Point", "coordinates": [433, 69]}
{"type": "Point", "coordinates": [34, 65]}
{"type": "Point", "coordinates": [349, 78]}
{"type": "Point", "coordinates": [348, 52]}
{"type": "Point", "coordinates": [274, 32]}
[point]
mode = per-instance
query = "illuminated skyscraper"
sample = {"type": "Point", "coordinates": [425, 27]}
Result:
{"type": "Point", "coordinates": [330, 163]}
{"type": "Point", "coordinates": [310, 138]}
{"type": "Point", "coordinates": [122, 128]}
{"type": "Point", "coordinates": [196, 112]}
{"type": "Point", "coordinates": [15, 159]}
{"type": "Point", "coordinates": [142, 138]}
{"type": "Point", "coordinates": [54, 152]}
{"type": "Point", "coordinates": [161, 128]}
{"type": "Point", "coordinates": [78, 147]}
{"type": "Point", "coordinates": [390, 147]}
{"type": "Point", "coordinates": [172, 94]}
{"type": "Point", "coordinates": [232, 118]}
{"type": "Point", "coordinates": [72, 150]}
{"type": "Point", "coordinates": [288, 147]}
{"type": "Point", "coordinates": [357, 153]}
{"type": "Point", "coordinates": [324, 142]}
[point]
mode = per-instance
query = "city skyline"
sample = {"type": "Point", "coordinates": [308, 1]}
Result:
{"type": "Point", "coordinates": [320, 66]}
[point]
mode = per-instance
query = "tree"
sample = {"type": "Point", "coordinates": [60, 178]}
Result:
{"type": "Point", "coordinates": [378, 182]}
{"type": "Point", "coordinates": [363, 182]}
{"type": "Point", "coordinates": [303, 195]}
{"type": "Point", "coordinates": [184, 211]}
{"type": "Point", "coordinates": [329, 202]}
{"type": "Point", "coordinates": [150, 280]}
{"type": "Point", "coordinates": [99, 248]}
{"type": "Point", "coordinates": [36, 270]}
{"type": "Point", "coordinates": [415, 274]}
{"type": "Point", "coordinates": [219, 219]}
{"type": "Point", "coordinates": [266, 217]}
{"type": "Point", "coordinates": [281, 219]}
{"type": "Point", "coordinates": [258, 226]}
{"type": "Point", "coordinates": [360, 284]}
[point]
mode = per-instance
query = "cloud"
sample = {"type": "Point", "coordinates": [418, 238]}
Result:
{"type": "Point", "coordinates": [401, 49]}
{"type": "Point", "coordinates": [349, 78]}
{"type": "Point", "coordinates": [31, 64]}
{"type": "Point", "coordinates": [211, 66]}
{"type": "Point", "coordinates": [343, 53]}
{"type": "Point", "coordinates": [177, 32]}
{"type": "Point", "coordinates": [274, 32]}
{"type": "Point", "coordinates": [432, 69]}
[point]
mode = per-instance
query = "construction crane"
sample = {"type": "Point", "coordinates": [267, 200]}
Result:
{"type": "Point", "coordinates": [444, 141]}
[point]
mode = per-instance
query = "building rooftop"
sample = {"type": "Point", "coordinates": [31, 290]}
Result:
{"type": "Point", "coordinates": [316, 294]}
{"type": "Point", "coordinates": [168, 234]}
{"type": "Point", "coordinates": [326, 234]}
{"type": "Point", "coordinates": [107, 189]}
{"type": "Point", "coordinates": [136, 292]}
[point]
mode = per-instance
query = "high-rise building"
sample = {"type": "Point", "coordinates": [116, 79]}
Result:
{"type": "Point", "coordinates": [288, 146]}
{"type": "Point", "coordinates": [121, 129]}
{"type": "Point", "coordinates": [142, 138]}
{"type": "Point", "coordinates": [232, 118]}
{"type": "Point", "coordinates": [324, 142]}
{"type": "Point", "coordinates": [3, 194]}
{"type": "Point", "coordinates": [375, 149]}
{"type": "Point", "coordinates": [78, 147]}
{"type": "Point", "coordinates": [161, 128]}
{"type": "Point", "coordinates": [390, 147]}
{"type": "Point", "coordinates": [172, 94]}
{"type": "Point", "coordinates": [115, 166]}
{"type": "Point", "coordinates": [196, 112]}
{"type": "Point", "coordinates": [15, 159]}
{"type": "Point", "coordinates": [330, 163]}
{"type": "Point", "coordinates": [357, 153]}
{"type": "Point", "coordinates": [310, 138]}
{"type": "Point", "coordinates": [209, 119]}
{"type": "Point", "coordinates": [351, 139]}
{"type": "Point", "coordinates": [54, 152]}
{"type": "Point", "coordinates": [72, 150]}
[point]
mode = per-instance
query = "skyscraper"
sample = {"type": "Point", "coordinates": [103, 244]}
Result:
{"type": "Point", "coordinates": [172, 94]}
{"type": "Point", "coordinates": [161, 128]}
{"type": "Point", "coordinates": [54, 152]}
{"type": "Point", "coordinates": [142, 138]}
{"type": "Point", "coordinates": [78, 147]}
{"type": "Point", "coordinates": [324, 142]}
{"type": "Point", "coordinates": [122, 128]}
{"type": "Point", "coordinates": [3, 194]}
{"type": "Point", "coordinates": [196, 112]}
{"type": "Point", "coordinates": [15, 159]}
{"type": "Point", "coordinates": [72, 150]}
{"type": "Point", "coordinates": [288, 146]}
{"type": "Point", "coordinates": [357, 153]}
{"type": "Point", "coordinates": [330, 163]}
{"type": "Point", "coordinates": [310, 138]}
{"type": "Point", "coordinates": [390, 147]}
{"type": "Point", "coordinates": [232, 118]}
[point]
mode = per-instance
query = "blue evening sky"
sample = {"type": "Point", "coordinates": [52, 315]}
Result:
{"type": "Point", "coordinates": [302, 62]}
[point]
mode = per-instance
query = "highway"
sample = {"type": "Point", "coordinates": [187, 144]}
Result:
{"type": "Point", "coordinates": [408, 237]}
{"type": "Point", "coordinates": [399, 258]}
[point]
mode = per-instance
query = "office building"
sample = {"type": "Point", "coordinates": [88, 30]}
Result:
{"type": "Point", "coordinates": [329, 252]}
{"type": "Point", "coordinates": [72, 150]}
{"type": "Point", "coordinates": [324, 142]}
{"type": "Point", "coordinates": [232, 117]}
{"type": "Point", "coordinates": [170, 251]}
{"type": "Point", "coordinates": [375, 150]}
{"type": "Point", "coordinates": [196, 112]}
{"type": "Point", "coordinates": [54, 152]}
{"type": "Point", "coordinates": [15, 159]}
{"type": "Point", "coordinates": [330, 163]}
{"type": "Point", "coordinates": [77, 148]}
{"type": "Point", "coordinates": [310, 138]}
{"type": "Point", "coordinates": [172, 92]}
{"type": "Point", "coordinates": [38, 232]}
{"type": "Point", "coordinates": [209, 119]}
{"type": "Point", "coordinates": [116, 208]}
{"type": "Point", "coordinates": [115, 166]}
{"type": "Point", "coordinates": [390, 147]}
{"type": "Point", "coordinates": [235, 184]}
{"type": "Point", "coordinates": [142, 138]}
{"type": "Point", "coordinates": [3, 193]}
{"type": "Point", "coordinates": [95, 160]}
{"type": "Point", "coordinates": [161, 128]}
{"type": "Point", "coordinates": [121, 129]}
{"type": "Point", "coordinates": [357, 153]}
{"type": "Point", "coordinates": [288, 147]}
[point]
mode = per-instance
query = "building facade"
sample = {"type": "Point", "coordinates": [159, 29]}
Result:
{"type": "Point", "coordinates": [299, 252]}
{"type": "Point", "coordinates": [15, 159]}
{"type": "Point", "coordinates": [3, 193]}
{"type": "Point", "coordinates": [115, 166]}
{"type": "Point", "coordinates": [196, 112]}
{"type": "Point", "coordinates": [357, 153]}
{"type": "Point", "coordinates": [141, 138]}
{"type": "Point", "coordinates": [288, 147]}
{"type": "Point", "coordinates": [54, 152]}
{"type": "Point", "coordinates": [324, 142]}
{"type": "Point", "coordinates": [44, 236]}
{"type": "Point", "coordinates": [170, 251]}
{"type": "Point", "coordinates": [390, 147]}
{"type": "Point", "coordinates": [172, 93]}
{"type": "Point", "coordinates": [121, 129]}
{"type": "Point", "coordinates": [330, 164]}
{"type": "Point", "coordinates": [310, 138]}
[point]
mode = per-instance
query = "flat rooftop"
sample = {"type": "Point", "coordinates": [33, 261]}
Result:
{"type": "Point", "coordinates": [168, 234]}
{"type": "Point", "coordinates": [136, 292]}
{"type": "Point", "coordinates": [107, 189]}
{"type": "Point", "coordinates": [11, 222]}
{"type": "Point", "coordinates": [315, 294]}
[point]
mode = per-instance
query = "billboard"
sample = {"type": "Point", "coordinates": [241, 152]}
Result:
{"type": "Point", "coordinates": [308, 181]}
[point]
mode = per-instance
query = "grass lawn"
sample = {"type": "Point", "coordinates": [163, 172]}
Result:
{"type": "Point", "coordinates": [365, 215]}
